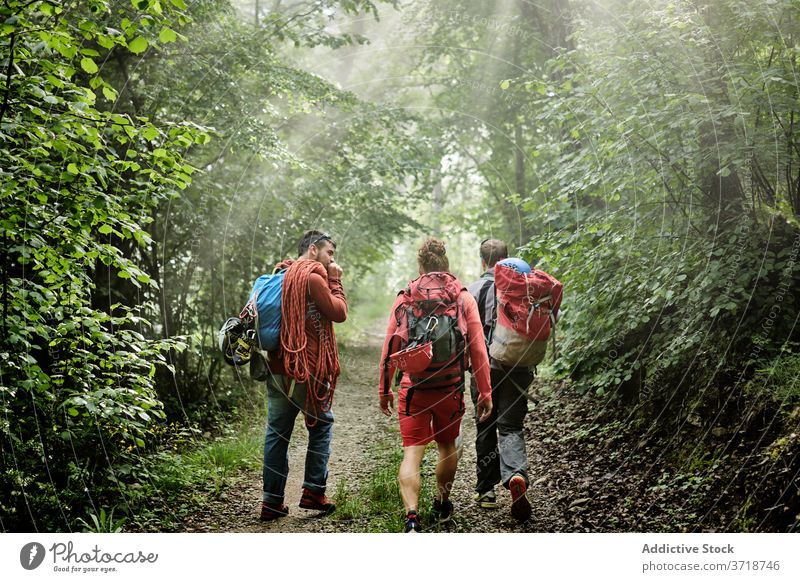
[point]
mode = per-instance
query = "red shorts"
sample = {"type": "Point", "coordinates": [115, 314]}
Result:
{"type": "Point", "coordinates": [434, 415]}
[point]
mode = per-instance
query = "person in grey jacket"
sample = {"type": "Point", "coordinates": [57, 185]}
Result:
{"type": "Point", "coordinates": [500, 443]}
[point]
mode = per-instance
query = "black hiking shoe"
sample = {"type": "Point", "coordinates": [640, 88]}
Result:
{"type": "Point", "coordinates": [443, 510]}
{"type": "Point", "coordinates": [412, 523]}
{"type": "Point", "coordinates": [487, 500]}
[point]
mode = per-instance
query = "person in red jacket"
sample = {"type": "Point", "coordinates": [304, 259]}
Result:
{"type": "Point", "coordinates": [303, 374]}
{"type": "Point", "coordinates": [431, 402]}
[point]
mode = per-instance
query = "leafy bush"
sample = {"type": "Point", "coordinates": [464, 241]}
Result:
{"type": "Point", "coordinates": [77, 184]}
{"type": "Point", "coordinates": [677, 251]}
{"type": "Point", "coordinates": [779, 378]}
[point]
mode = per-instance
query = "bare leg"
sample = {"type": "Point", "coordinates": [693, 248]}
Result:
{"type": "Point", "coordinates": [409, 476]}
{"type": "Point", "coordinates": [446, 469]}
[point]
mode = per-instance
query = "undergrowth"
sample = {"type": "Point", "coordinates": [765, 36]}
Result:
{"type": "Point", "coordinates": [376, 506]}
{"type": "Point", "coordinates": [176, 483]}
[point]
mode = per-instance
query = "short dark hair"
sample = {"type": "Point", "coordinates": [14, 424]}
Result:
{"type": "Point", "coordinates": [313, 237]}
{"type": "Point", "coordinates": [493, 250]}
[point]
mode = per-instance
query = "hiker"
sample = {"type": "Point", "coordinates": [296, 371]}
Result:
{"type": "Point", "coordinates": [504, 459]}
{"type": "Point", "coordinates": [303, 373]}
{"type": "Point", "coordinates": [434, 332]}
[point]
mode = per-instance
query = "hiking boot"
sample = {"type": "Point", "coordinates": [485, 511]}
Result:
{"type": "Point", "coordinates": [316, 501]}
{"type": "Point", "coordinates": [443, 510]}
{"type": "Point", "coordinates": [270, 511]}
{"type": "Point", "coordinates": [520, 506]}
{"type": "Point", "coordinates": [486, 500]}
{"type": "Point", "coordinates": [412, 523]}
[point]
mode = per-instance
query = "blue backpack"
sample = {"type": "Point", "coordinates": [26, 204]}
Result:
{"type": "Point", "coordinates": [265, 306]}
{"type": "Point", "coordinates": [258, 326]}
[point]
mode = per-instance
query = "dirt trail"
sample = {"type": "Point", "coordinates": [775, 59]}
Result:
{"type": "Point", "coordinates": [357, 420]}
{"type": "Point", "coordinates": [358, 425]}
{"type": "Point", "coordinates": [588, 473]}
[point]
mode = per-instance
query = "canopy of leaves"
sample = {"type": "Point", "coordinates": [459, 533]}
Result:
{"type": "Point", "coordinates": [156, 156]}
{"type": "Point", "coordinates": [153, 151]}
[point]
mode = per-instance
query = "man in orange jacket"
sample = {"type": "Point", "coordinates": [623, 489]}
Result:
{"type": "Point", "coordinates": [303, 379]}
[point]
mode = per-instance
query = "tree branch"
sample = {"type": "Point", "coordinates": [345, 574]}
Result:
{"type": "Point", "coordinates": [5, 285]}
{"type": "Point", "coordinates": [4, 107]}
{"type": "Point", "coordinates": [138, 106]}
{"type": "Point", "coordinates": [20, 8]}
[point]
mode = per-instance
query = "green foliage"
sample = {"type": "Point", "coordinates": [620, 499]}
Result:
{"type": "Point", "coordinates": [188, 472]}
{"type": "Point", "coordinates": [103, 523]}
{"type": "Point", "coordinates": [676, 250]}
{"type": "Point", "coordinates": [779, 378]}
{"type": "Point", "coordinates": [120, 258]}
{"type": "Point", "coordinates": [661, 308]}
{"type": "Point", "coordinates": [76, 185]}
{"type": "Point", "coordinates": [309, 24]}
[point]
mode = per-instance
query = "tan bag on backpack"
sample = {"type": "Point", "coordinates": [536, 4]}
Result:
{"type": "Point", "coordinates": [515, 350]}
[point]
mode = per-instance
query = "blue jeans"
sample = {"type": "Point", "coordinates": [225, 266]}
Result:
{"type": "Point", "coordinates": [281, 415]}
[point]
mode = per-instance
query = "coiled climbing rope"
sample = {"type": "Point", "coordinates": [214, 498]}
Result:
{"type": "Point", "coordinates": [321, 380]}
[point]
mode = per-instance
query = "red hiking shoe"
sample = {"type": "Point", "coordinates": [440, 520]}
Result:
{"type": "Point", "coordinates": [270, 511]}
{"type": "Point", "coordinates": [316, 501]}
{"type": "Point", "coordinates": [520, 506]}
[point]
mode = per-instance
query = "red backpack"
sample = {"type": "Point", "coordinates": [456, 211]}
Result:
{"type": "Point", "coordinates": [431, 318]}
{"type": "Point", "coordinates": [526, 307]}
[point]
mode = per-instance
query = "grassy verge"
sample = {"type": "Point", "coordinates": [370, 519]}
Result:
{"type": "Point", "coordinates": [375, 506]}
{"type": "Point", "coordinates": [175, 483]}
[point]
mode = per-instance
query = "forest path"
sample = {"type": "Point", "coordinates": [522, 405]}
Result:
{"type": "Point", "coordinates": [358, 429]}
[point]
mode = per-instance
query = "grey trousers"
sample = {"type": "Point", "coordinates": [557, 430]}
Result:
{"type": "Point", "coordinates": [500, 444]}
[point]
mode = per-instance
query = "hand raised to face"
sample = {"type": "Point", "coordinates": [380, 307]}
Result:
{"type": "Point", "coordinates": [334, 270]}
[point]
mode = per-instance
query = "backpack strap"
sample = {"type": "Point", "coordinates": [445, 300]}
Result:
{"type": "Point", "coordinates": [494, 314]}
{"type": "Point", "coordinates": [483, 295]}
{"type": "Point", "coordinates": [409, 394]}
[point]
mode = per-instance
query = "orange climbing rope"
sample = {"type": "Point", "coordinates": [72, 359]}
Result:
{"type": "Point", "coordinates": [294, 305]}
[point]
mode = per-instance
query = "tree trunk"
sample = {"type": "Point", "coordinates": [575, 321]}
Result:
{"type": "Point", "coordinates": [437, 206]}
